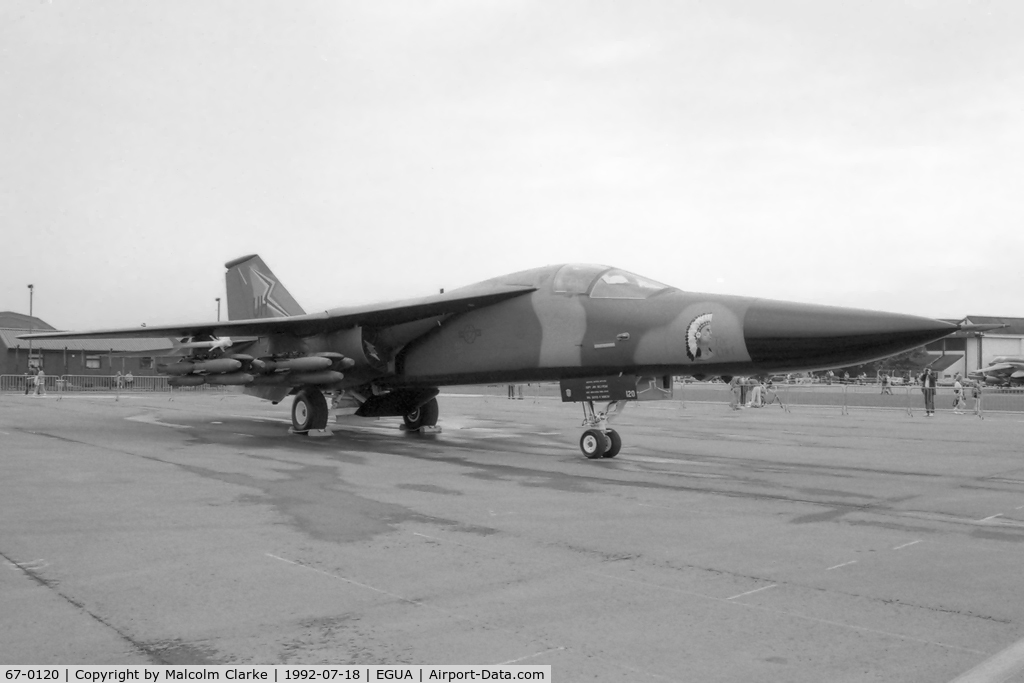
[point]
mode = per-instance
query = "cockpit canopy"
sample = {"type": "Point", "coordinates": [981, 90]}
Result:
{"type": "Point", "coordinates": [602, 282]}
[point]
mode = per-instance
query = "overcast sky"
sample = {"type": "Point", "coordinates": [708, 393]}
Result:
{"type": "Point", "coordinates": [862, 154]}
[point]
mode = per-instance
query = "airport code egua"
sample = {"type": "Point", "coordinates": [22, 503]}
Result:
{"type": "Point", "coordinates": [232, 674]}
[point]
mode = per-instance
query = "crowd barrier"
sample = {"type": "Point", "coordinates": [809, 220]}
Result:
{"type": "Point", "coordinates": [798, 395]}
{"type": "Point", "coordinates": [95, 383]}
{"type": "Point", "coordinates": [844, 397]}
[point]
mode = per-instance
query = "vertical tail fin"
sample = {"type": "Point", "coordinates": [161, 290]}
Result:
{"type": "Point", "coordinates": [254, 291]}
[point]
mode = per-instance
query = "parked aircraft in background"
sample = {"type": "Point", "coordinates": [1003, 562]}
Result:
{"type": "Point", "coordinates": [1004, 371]}
{"type": "Point", "coordinates": [607, 335]}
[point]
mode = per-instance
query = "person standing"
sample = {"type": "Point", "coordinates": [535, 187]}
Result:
{"type": "Point", "coordinates": [734, 388]}
{"type": "Point", "coordinates": [928, 389]}
{"type": "Point", "coordinates": [41, 383]}
{"type": "Point", "coordinates": [976, 394]}
{"type": "Point", "coordinates": [959, 402]}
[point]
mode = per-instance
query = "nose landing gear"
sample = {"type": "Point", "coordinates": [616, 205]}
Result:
{"type": "Point", "coordinates": [599, 440]}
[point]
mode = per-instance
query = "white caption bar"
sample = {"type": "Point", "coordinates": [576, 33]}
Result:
{"type": "Point", "coordinates": [273, 674]}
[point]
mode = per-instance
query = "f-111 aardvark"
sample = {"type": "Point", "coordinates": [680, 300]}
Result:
{"type": "Point", "coordinates": [605, 334]}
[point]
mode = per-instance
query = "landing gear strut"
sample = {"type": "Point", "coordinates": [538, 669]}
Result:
{"type": "Point", "coordinates": [309, 410]}
{"type": "Point", "coordinates": [600, 441]}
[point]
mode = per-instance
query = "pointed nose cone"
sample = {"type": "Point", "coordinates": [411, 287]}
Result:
{"type": "Point", "coordinates": [786, 335]}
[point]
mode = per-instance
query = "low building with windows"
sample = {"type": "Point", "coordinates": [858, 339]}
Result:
{"type": "Point", "coordinates": [72, 356]}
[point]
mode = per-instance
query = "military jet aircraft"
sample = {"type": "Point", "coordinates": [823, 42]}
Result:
{"type": "Point", "coordinates": [607, 335]}
{"type": "Point", "coordinates": [1004, 371]}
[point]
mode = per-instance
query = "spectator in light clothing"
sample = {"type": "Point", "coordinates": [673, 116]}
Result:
{"type": "Point", "coordinates": [755, 394]}
{"type": "Point", "coordinates": [41, 383]}
{"type": "Point", "coordinates": [959, 402]}
{"type": "Point", "coordinates": [928, 389]}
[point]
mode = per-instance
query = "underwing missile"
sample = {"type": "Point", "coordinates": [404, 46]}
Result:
{"type": "Point", "coordinates": [232, 379]}
{"type": "Point", "coordinates": [304, 364]}
{"type": "Point", "coordinates": [322, 377]}
{"type": "Point", "coordinates": [338, 358]}
{"type": "Point", "coordinates": [218, 366]}
{"type": "Point", "coordinates": [183, 368]}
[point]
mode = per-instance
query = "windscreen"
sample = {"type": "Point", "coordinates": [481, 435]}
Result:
{"type": "Point", "coordinates": [619, 284]}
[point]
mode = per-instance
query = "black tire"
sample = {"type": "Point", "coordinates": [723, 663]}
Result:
{"type": "Point", "coordinates": [593, 444]}
{"type": "Point", "coordinates": [424, 416]}
{"type": "Point", "coordinates": [309, 410]}
{"type": "Point", "coordinates": [616, 444]}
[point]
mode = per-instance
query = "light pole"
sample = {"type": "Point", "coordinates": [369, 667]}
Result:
{"type": "Point", "coordinates": [31, 323]}
{"type": "Point", "coordinates": [218, 309]}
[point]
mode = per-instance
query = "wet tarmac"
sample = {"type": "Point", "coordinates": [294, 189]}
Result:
{"type": "Point", "coordinates": [719, 546]}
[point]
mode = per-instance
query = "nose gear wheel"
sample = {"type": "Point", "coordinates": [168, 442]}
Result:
{"type": "Point", "coordinates": [594, 444]}
{"type": "Point", "coordinates": [600, 441]}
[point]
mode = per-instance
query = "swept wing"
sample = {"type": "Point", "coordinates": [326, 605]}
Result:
{"type": "Point", "coordinates": [393, 313]}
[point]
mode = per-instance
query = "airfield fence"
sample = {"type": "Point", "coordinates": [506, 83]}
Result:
{"type": "Point", "coordinates": [799, 396]}
{"type": "Point", "coordinates": [847, 397]}
{"type": "Point", "coordinates": [95, 383]}
{"type": "Point", "coordinates": [838, 396]}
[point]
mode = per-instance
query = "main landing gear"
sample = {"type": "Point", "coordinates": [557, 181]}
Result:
{"type": "Point", "coordinates": [600, 441]}
{"type": "Point", "coordinates": [424, 416]}
{"type": "Point", "coordinates": [309, 411]}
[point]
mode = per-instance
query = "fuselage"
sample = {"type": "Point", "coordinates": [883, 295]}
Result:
{"type": "Point", "coordinates": [585, 320]}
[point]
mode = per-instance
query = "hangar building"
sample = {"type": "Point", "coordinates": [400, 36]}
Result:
{"type": "Point", "coordinates": [982, 347]}
{"type": "Point", "coordinates": [965, 352]}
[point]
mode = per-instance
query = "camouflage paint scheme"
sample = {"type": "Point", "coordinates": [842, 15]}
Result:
{"type": "Point", "coordinates": [547, 335]}
{"type": "Point", "coordinates": [557, 322]}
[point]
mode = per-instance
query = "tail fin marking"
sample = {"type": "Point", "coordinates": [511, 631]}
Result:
{"type": "Point", "coordinates": [255, 292]}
